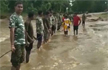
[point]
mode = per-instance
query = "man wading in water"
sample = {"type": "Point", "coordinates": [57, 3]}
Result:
{"type": "Point", "coordinates": [39, 29]}
{"type": "Point", "coordinates": [83, 20]}
{"type": "Point", "coordinates": [66, 25]}
{"type": "Point", "coordinates": [29, 35]}
{"type": "Point", "coordinates": [17, 37]}
{"type": "Point", "coordinates": [46, 23]}
{"type": "Point", "coordinates": [76, 23]}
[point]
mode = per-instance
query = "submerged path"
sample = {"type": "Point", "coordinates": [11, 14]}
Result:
{"type": "Point", "coordinates": [87, 51]}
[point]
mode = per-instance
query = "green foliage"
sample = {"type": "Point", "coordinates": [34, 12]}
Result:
{"type": "Point", "coordinates": [90, 6]}
{"type": "Point", "coordinates": [7, 6]}
{"type": "Point", "coordinates": [4, 6]}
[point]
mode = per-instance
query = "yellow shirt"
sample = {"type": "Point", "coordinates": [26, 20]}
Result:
{"type": "Point", "coordinates": [65, 24]}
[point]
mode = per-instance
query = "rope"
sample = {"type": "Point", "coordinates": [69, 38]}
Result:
{"type": "Point", "coordinates": [5, 53]}
{"type": "Point", "coordinates": [10, 50]}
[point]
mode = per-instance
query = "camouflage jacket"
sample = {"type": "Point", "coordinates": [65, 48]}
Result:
{"type": "Point", "coordinates": [39, 25]}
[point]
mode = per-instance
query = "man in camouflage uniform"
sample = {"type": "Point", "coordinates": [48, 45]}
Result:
{"type": "Point", "coordinates": [39, 29]}
{"type": "Point", "coordinates": [59, 23]}
{"type": "Point", "coordinates": [52, 23]}
{"type": "Point", "coordinates": [17, 37]}
{"type": "Point", "coordinates": [83, 20]}
{"type": "Point", "coordinates": [55, 22]}
{"type": "Point", "coordinates": [46, 27]}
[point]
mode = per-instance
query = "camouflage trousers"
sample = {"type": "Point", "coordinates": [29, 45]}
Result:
{"type": "Point", "coordinates": [17, 57]}
{"type": "Point", "coordinates": [46, 35]}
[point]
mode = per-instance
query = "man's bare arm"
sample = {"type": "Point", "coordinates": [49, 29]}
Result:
{"type": "Point", "coordinates": [79, 21]}
{"type": "Point", "coordinates": [12, 38]}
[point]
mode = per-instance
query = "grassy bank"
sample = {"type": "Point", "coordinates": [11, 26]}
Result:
{"type": "Point", "coordinates": [103, 15]}
{"type": "Point", "coordinates": [4, 15]}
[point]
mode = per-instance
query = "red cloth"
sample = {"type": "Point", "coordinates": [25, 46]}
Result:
{"type": "Point", "coordinates": [76, 19]}
{"type": "Point", "coordinates": [63, 19]}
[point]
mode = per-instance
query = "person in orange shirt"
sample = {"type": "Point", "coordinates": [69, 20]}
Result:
{"type": "Point", "coordinates": [66, 25]}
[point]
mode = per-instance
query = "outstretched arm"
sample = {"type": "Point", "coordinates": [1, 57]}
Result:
{"type": "Point", "coordinates": [79, 21]}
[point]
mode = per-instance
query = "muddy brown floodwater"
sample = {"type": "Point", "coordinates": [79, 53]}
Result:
{"type": "Point", "coordinates": [87, 51]}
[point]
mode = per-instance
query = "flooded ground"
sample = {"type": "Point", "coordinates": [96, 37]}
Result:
{"type": "Point", "coordinates": [87, 51]}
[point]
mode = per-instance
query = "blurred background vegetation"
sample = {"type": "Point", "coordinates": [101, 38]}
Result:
{"type": "Point", "coordinates": [59, 6]}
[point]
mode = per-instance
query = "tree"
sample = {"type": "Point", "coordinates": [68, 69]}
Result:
{"type": "Point", "coordinates": [4, 6]}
